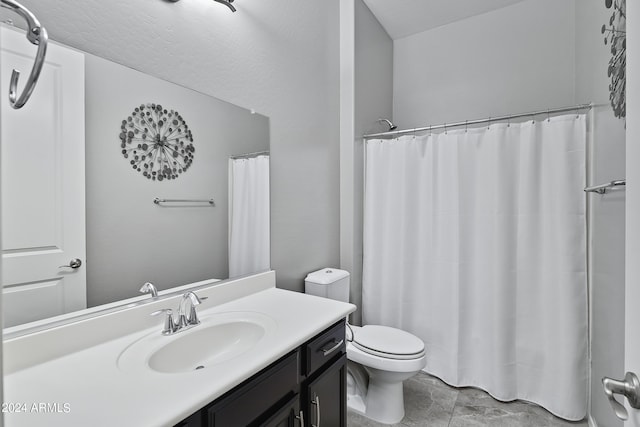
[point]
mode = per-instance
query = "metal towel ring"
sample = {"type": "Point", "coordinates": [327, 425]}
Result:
{"type": "Point", "coordinates": [38, 36]}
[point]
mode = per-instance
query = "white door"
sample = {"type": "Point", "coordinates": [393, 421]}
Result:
{"type": "Point", "coordinates": [43, 207]}
{"type": "Point", "coordinates": [632, 279]}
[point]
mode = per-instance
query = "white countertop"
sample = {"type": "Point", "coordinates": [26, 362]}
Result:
{"type": "Point", "coordinates": [88, 388]}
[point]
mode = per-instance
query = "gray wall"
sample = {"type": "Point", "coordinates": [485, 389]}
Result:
{"type": "Point", "coordinates": [534, 55]}
{"type": "Point", "coordinates": [278, 57]}
{"type": "Point", "coordinates": [130, 240]}
{"type": "Point", "coordinates": [519, 58]}
{"type": "Point", "coordinates": [373, 99]}
{"type": "Point", "coordinates": [607, 225]}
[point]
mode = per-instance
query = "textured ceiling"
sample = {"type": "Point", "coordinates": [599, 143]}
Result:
{"type": "Point", "coordinates": [403, 18]}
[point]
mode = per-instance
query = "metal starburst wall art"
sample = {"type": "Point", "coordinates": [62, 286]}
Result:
{"type": "Point", "coordinates": [157, 142]}
{"type": "Point", "coordinates": [616, 37]}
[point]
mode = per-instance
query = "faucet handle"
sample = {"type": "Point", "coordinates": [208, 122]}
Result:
{"type": "Point", "coordinates": [192, 319]}
{"type": "Point", "coordinates": [169, 325]}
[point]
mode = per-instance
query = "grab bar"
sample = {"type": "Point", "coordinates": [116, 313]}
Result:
{"type": "Point", "coordinates": [37, 35]}
{"type": "Point", "coordinates": [602, 188]}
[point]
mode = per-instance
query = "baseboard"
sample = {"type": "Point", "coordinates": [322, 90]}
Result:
{"type": "Point", "coordinates": [592, 422]}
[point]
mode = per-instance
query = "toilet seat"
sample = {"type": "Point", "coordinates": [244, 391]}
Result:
{"type": "Point", "coordinates": [369, 360]}
{"type": "Point", "coordinates": [389, 343]}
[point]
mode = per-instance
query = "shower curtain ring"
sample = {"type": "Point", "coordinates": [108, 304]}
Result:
{"type": "Point", "coordinates": [466, 123]}
{"type": "Point", "coordinates": [430, 128]}
{"type": "Point", "coordinates": [488, 122]}
{"type": "Point", "coordinates": [548, 116]}
{"type": "Point", "coordinates": [445, 128]}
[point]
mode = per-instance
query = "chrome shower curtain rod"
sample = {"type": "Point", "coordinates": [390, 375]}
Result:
{"type": "Point", "coordinates": [249, 155]}
{"type": "Point", "coordinates": [480, 121]}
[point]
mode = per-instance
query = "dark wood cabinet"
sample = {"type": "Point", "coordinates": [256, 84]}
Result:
{"type": "Point", "coordinates": [326, 396]}
{"type": "Point", "coordinates": [305, 388]}
{"type": "Point", "coordinates": [288, 415]}
{"type": "Point", "coordinates": [247, 403]}
{"type": "Point", "coordinates": [194, 420]}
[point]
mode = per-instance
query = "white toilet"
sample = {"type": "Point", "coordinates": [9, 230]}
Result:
{"type": "Point", "coordinates": [380, 358]}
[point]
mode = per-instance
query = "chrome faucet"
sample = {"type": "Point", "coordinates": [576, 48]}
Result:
{"type": "Point", "coordinates": [187, 314]}
{"type": "Point", "coordinates": [170, 326]}
{"type": "Point", "coordinates": [149, 288]}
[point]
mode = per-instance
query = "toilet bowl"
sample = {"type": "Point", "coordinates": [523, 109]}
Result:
{"type": "Point", "coordinates": [389, 356]}
{"type": "Point", "coordinates": [380, 358]}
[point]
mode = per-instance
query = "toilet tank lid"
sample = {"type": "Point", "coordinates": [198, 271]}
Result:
{"type": "Point", "coordinates": [326, 276]}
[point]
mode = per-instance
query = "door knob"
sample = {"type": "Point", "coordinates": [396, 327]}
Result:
{"type": "Point", "coordinates": [74, 263]}
{"type": "Point", "coordinates": [629, 388]}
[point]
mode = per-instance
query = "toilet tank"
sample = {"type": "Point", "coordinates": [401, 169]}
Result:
{"type": "Point", "coordinates": [329, 283]}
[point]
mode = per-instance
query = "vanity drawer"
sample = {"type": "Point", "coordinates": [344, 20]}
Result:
{"type": "Point", "coordinates": [324, 348]}
{"type": "Point", "coordinates": [249, 400]}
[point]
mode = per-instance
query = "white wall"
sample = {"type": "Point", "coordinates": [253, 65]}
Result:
{"type": "Point", "coordinates": [278, 57]}
{"type": "Point", "coordinates": [632, 289]}
{"type": "Point", "coordinates": [516, 59]}
{"type": "Point", "coordinates": [1, 326]}
{"type": "Point", "coordinates": [607, 227]}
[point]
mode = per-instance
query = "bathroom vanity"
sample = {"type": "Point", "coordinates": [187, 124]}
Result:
{"type": "Point", "coordinates": [261, 356]}
{"type": "Point", "coordinates": [307, 384]}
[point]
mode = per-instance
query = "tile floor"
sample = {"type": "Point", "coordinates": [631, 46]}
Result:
{"type": "Point", "coordinates": [432, 403]}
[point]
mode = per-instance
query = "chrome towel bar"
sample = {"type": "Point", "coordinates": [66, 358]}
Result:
{"type": "Point", "coordinates": [602, 188]}
{"type": "Point", "coordinates": [158, 201]}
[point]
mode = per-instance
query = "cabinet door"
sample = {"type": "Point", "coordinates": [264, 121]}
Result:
{"type": "Point", "coordinates": [288, 416]}
{"type": "Point", "coordinates": [327, 397]}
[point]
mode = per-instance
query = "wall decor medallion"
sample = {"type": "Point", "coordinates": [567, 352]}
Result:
{"type": "Point", "coordinates": [616, 36]}
{"type": "Point", "coordinates": [157, 142]}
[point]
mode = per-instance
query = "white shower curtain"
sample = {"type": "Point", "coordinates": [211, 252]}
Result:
{"type": "Point", "coordinates": [475, 242]}
{"type": "Point", "coordinates": [249, 215]}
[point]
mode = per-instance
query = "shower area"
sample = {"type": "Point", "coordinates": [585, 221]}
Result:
{"type": "Point", "coordinates": [474, 231]}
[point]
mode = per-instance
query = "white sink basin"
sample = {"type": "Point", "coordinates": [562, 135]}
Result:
{"type": "Point", "coordinates": [219, 338]}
